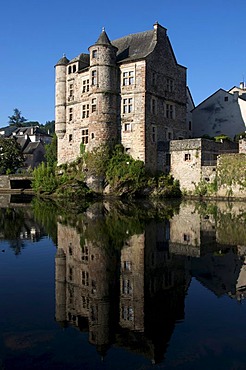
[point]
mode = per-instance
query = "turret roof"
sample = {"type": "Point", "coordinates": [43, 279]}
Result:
{"type": "Point", "coordinates": [103, 39]}
{"type": "Point", "coordinates": [63, 61]}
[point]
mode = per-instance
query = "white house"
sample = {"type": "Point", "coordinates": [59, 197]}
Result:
{"type": "Point", "coordinates": [224, 112]}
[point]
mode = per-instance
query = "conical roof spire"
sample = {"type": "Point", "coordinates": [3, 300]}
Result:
{"type": "Point", "coordinates": [103, 38]}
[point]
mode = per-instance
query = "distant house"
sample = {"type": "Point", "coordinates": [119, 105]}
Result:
{"type": "Point", "coordinates": [224, 112]}
{"type": "Point", "coordinates": [34, 154]}
{"type": "Point", "coordinates": [7, 131]}
{"type": "Point", "coordinates": [35, 134]}
{"type": "Point", "coordinates": [32, 140]}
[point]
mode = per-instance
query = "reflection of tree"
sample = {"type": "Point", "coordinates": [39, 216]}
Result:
{"type": "Point", "coordinates": [45, 212]}
{"type": "Point", "coordinates": [11, 222]}
{"type": "Point", "coordinates": [112, 223]}
{"type": "Point", "coordinates": [17, 246]}
{"type": "Point", "coordinates": [17, 225]}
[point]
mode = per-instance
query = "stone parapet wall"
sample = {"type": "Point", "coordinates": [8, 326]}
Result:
{"type": "Point", "coordinates": [4, 182]}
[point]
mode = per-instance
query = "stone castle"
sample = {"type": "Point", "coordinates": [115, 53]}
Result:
{"type": "Point", "coordinates": [130, 91]}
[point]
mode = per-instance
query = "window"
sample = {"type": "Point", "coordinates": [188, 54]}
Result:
{"type": "Point", "coordinates": [169, 111]}
{"type": "Point", "coordinates": [84, 253]}
{"type": "Point", "coordinates": [85, 278]}
{"type": "Point", "coordinates": [85, 136]}
{"type": "Point", "coordinates": [153, 78]}
{"type": "Point", "coordinates": [94, 53]}
{"type": "Point", "coordinates": [69, 70]}
{"type": "Point", "coordinates": [154, 134]}
{"type": "Point", "coordinates": [74, 68]}
{"type": "Point", "coordinates": [127, 105]}
{"type": "Point", "coordinates": [169, 85]}
{"type": "Point", "coordinates": [226, 98]}
{"type": "Point", "coordinates": [70, 92]}
{"type": "Point", "coordinates": [128, 78]}
{"type": "Point", "coordinates": [127, 127]}
{"type": "Point", "coordinates": [127, 313]}
{"type": "Point", "coordinates": [70, 273]}
{"type": "Point", "coordinates": [85, 110]}
{"type": "Point", "coordinates": [94, 78]}
{"type": "Point", "coordinates": [70, 114]}
{"type": "Point", "coordinates": [169, 135]}
{"type": "Point", "coordinates": [190, 125]}
{"type": "Point", "coordinates": [187, 157]}
{"type": "Point", "coordinates": [127, 266]}
{"type": "Point", "coordinates": [126, 286]}
{"type": "Point", "coordinates": [70, 137]}
{"type": "Point", "coordinates": [85, 302]}
{"type": "Point", "coordinates": [85, 86]}
{"type": "Point", "coordinates": [186, 237]}
{"type": "Point", "coordinates": [168, 159]}
{"type": "Point", "coordinates": [92, 135]}
{"type": "Point", "coordinates": [93, 286]}
{"type": "Point", "coordinates": [153, 106]}
{"type": "Point", "coordinates": [93, 105]}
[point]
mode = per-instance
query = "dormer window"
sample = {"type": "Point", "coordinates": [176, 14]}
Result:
{"type": "Point", "coordinates": [94, 54]}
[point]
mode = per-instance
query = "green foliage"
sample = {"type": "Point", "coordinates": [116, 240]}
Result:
{"type": "Point", "coordinates": [167, 187]}
{"type": "Point", "coordinates": [45, 213]}
{"type": "Point", "coordinates": [222, 137]}
{"type": "Point", "coordinates": [231, 170]}
{"type": "Point", "coordinates": [17, 119]}
{"type": "Point", "coordinates": [44, 179]}
{"type": "Point", "coordinates": [11, 158]}
{"type": "Point", "coordinates": [51, 151]}
{"type": "Point", "coordinates": [96, 161]}
{"type": "Point", "coordinates": [204, 188]}
{"type": "Point", "coordinates": [125, 172]}
{"type": "Point", "coordinates": [49, 127]}
{"type": "Point", "coordinates": [239, 136]}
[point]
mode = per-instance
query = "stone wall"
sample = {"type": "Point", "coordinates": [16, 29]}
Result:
{"type": "Point", "coordinates": [4, 182]}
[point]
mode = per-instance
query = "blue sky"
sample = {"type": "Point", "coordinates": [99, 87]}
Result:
{"type": "Point", "coordinates": [208, 37]}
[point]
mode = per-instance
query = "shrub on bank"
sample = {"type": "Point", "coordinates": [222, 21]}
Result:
{"type": "Point", "coordinates": [118, 172]}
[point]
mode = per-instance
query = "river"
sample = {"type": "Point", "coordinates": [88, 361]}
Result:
{"type": "Point", "coordinates": [122, 285]}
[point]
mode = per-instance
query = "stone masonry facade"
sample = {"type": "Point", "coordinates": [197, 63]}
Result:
{"type": "Point", "coordinates": [130, 91]}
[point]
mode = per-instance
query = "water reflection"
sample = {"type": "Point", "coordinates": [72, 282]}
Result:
{"type": "Point", "coordinates": [17, 225]}
{"type": "Point", "coordinates": [123, 271]}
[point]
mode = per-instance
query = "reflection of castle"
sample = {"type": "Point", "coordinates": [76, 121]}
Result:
{"type": "Point", "coordinates": [84, 280]}
{"type": "Point", "coordinates": [120, 298]}
{"type": "Point", "coordinates": [133, 296]}
{"type": "Point", "coordinates": [214, 259]}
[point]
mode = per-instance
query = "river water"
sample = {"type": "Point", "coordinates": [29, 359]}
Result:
{"type": "Point", "coordinates": [118, 285]}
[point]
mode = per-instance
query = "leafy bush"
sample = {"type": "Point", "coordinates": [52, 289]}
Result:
{"type": "Point", "coordinates": [44, 178]}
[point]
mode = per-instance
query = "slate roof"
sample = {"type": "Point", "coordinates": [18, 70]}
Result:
{"type": "Point", "coordinates": [83, 58]}
{"type": "Point", "coordinates": [23, 142]}
{"type": "Point", "coordinates": [30, 130]}
{"type": "Point", "coordinates": [31, 147]}
{"type": "Point", "coordinates": [130, 47]}
{"type": "Point", "coordinates": [103, 39]}
{"type": "Point", "coordinates": [7, 131]}
{"type": "Point", "coordinates": [135, 46]}
{"type": "Point", "coordinates": [63, 61]}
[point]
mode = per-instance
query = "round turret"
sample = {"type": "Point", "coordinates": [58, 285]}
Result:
{"type": "Point", "coordinates": [104, 92]}
{"type": "Point", "coordinates": [60, 100]}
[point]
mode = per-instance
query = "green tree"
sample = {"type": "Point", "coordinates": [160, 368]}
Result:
{"type": "Point", "coordinates": [17, 119]}
{"type": "Point", "coordinates": [51, 151]}
{"type": "Point", "coordinates": [11, 157]}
